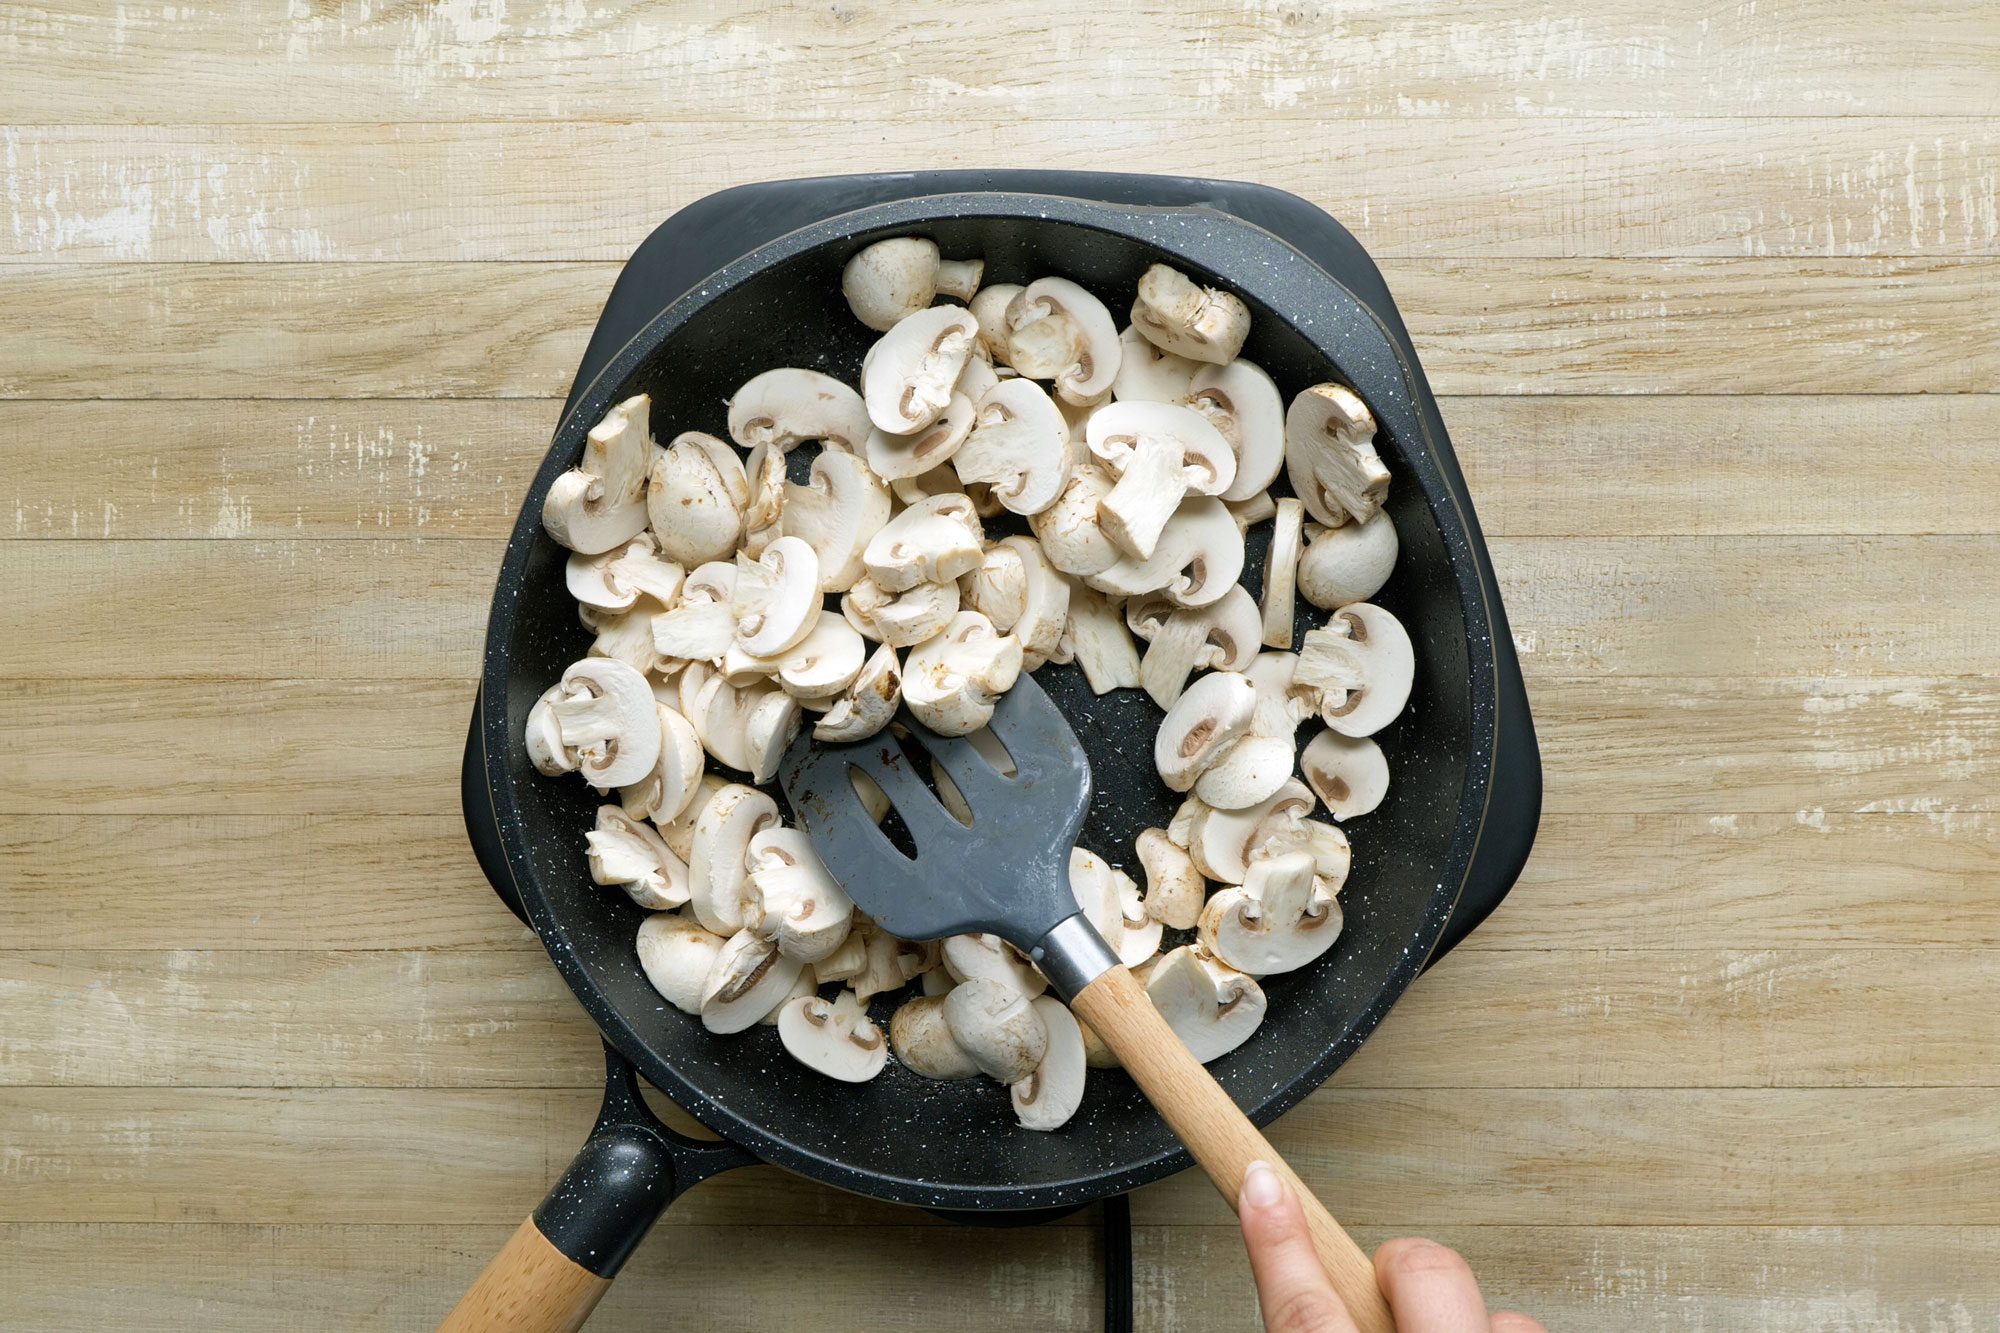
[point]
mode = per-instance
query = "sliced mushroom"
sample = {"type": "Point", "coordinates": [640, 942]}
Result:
{"type": "Point", "coordinates": [1019, 446]}
{"type": "Point", "coordinates": [1347, 773]}
{"type": "Point", "coordinates": [748, 980]}
{"type": "Point", "coordinates": [762, 517]}
{"type": "Point", "coordinates": [792, 900]}
{"type": "Point", "coordinates": [786, 407]}
{"type": "Point", "coordinates": [908, 377]}
{"type": "Point", "coordinates": [1148, 375]}
{"type": "Point", "coordinates": [998, 589]}
{"type": "Point", "coordinates": [900, 619]}
{"type": "Point", "coordinates": [833, 1037]}
{"type": "Point", "coordinates": [614, 580]}
{"type": "Point", "coordinates": [1224, 842]}
{"type": "Point", "coordinates": [977, 377]}
{"type": "Point", "coordinates": [825, 662]}
{"type": "Point", "coordinates": [1058, 331]}
{"type": "Point", "coordinates": [605, 716]}
{"type": "Point", "coordinates": [627, 636]}
{"type": "Point", "coordinates": [891, 279]}
{"type": "Point", "coordinates": [1249, 772]}
{"type": "Point", "coordinates": [1174, 888]}
{"type": "Point", "coordinates": [1197, 559]}
{"type": "Point", "coordinates": [1159, 452]}
{"type": "Point", "coordinates": [1330, 455]}
{"type": "Point", "coordinates": [888, 964]}
{"type": "Point", "coordinates": [1111, 902]}
{"type": "Point", "coordinates": [677, 955]}
{"type": "Point", "coordinates": [695, 499]}
{"type": "Point", "coordinates": [998, 1027]}
{"type": "Point", "coordinates": [628, 853]}
{"type": "Point", "coordinates": [1245, 407]}
{"type": "Point", "coordinates": [1204, 723]}
{"type": "Point", "coordinates": [717, 875]}
{"type": "Point", "coordinates": [951, 681]}
{"type": "Point", "coordinates": [1349, 563]}
{"type": "Point", "coordinates": [932, 541]}
{"type": "Point", "coordinates": [867, 704]}
{"type": "Point", "coordinates": [842, 505]}
{"type": "Point", "coordinates": [1071, 530]}
{"type": "Point", "coordinates": [1278, 921]}
{"type": "Point", "coordinates": [1181, 639]}
{"type": "Point", "coordinates": [1045, 612]}
{"type": "Point", "coordinates": [747, 727]}
{"type": "Point", "coordinates": [664, 792]}
{"type": "Point", "coordinates": [990, 958]}
{"type": "Point", "coordinates": [1253, 510]}
{"type": "Point", "coordinates": [1180, 316]}
{"type": "Point", "coordinates": [601, 502]}
{"type": "Point", "coordinates": [679, 831]}
{"type": "Point", "coordinates": [989, 307]}
{"type": "Point", "coordinates": [701, 626]}
{"type": "Point", "coordinates": [923, 1042]}
{"type": "Point", "coordinates": [1374, 662]}
{"type": "Point", "coordinates": [1099, 643]}
{"type": "Point", "coordinates": [546, 750]}
{"type": "Point", "coordinates": [777, 598]}
{"type": "Point", "coordinates": [1210, 1006]}
{"type": "Point", "coordinates": [1281, 566]}
{"type": "Point", "coordinates": [898, 457]}
{"type": "Point", "coordinates": [1047, 1098]}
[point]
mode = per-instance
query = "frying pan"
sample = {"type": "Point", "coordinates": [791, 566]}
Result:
{"type": "Point", "coordinates": [750, 279]}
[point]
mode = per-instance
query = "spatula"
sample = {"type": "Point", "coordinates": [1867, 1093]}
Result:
{"type": "Point", "coordinates": [1007, 874]}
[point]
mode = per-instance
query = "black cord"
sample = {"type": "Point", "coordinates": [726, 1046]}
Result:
{"type": "Point", "coordinates": [1118, 1264]}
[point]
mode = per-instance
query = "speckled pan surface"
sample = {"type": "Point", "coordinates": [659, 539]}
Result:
{"type": "Point", "coordinates": [955, 1145]}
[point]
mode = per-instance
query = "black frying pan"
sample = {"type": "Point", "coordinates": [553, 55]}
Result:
{"type": "Point", "coordinates": [749, 279]}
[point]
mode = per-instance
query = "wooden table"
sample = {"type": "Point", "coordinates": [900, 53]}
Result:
{"type": "Point", "coordinates": [288, 292]}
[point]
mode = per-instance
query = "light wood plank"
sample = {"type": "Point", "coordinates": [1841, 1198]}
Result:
{"type": "Point", "coordinates": [260, 60]}
{"type": "Point", "coordinates": [1538, 466]}
{"type": "Point", "coordinates": [1498, 326]}
{"type": "Point", "coordinates": [1411, 1160]}
{"type": "Point", "coordinates": [1800, 1017]}
{"type": "Point", "coordinates": [568, 190]}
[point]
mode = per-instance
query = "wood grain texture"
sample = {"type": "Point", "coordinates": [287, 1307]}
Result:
{"type": "Point", "coordinates": [530, 1286]}
{"type": "Point", "coordinates": [1485, 326]}
{"type": "Point", "coordinates": [568, 191]}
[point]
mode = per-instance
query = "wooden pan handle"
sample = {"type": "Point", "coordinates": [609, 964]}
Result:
{"type": "Point", "coordinates": [1216, 1131]}
{"type": "Point", "coordinates": [530, 1287]}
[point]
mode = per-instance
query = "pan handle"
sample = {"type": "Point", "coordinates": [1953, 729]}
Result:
{"type": "Point", "coordinates": [560, 1261]}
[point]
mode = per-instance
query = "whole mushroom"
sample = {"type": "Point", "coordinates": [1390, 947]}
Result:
{"type": "Point", "coordinates": [890, 280]}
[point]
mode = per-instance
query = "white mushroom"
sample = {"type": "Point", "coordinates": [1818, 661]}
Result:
{"type": "Point", "coordinates": [606, 716]}
{"type": "Point", "coordinates": [717, 874]}
{"type": "Point", "coordinates": [765, 471]}
{"type": "Point", "coordinates": [1159, 452]}
{"type": "Point", "coordinates": [833, 1037]}
{"type": "Point", "coordinates": [899, 457]}
{"type": "Point", "coordinates": [1047, 1098]}
{"type": "Point", "coordinates": [923, 1041]}
{"type": "Point", "coordinates": [891, 279]}
{"type": "Point", "coordinates": [842, 505]}
{"type": "Point", "coordinates": [900, 619]}
{"type": "Point", "coordinates": [1148, 375]}
{"type": "Point", "coordinates": [989, 307]}
{"type": "Point", "coordinates": [791, 898]}
{"type": "Point", "coordinates": [998, 589]}
{"type": "Point", "coordinates": [746, 727]}
{"type": "Point", "coordinates": [1278, 921]}
{"type": "Point", "coordinates": [998, 1027]}
{"type": "Point", "coordinates": [932, 541]}
{"type": "Point", "coordinates": [1071, 530]}
{"type": "Point", "coordinates": [1348, 773]}
{"type": "Point", "coordinates": [1211, 1006]}
{"type": "Point", "coordinates": [785, 407]}
{"type": "Point", "coordinates": [1019, 446]}
{"type": "Point", "coordinates": [1181, 639]}
{"type": "Point", "coordinates": [1223, 842]}
{"type": "Point", "coordinates": [601, 502]}
{"type": "Point", "coordinates": [777, 599]}
{"type": "Point", "coordinates": [702, 624]}
{"type": "Point", "coordinates": [675, 777]}
{"type": "Point", "coordinates": [1045, 611]}
{"type": "Point", "coordinates": [868, 703]}
{"type": "Point", "coordinates": [677, 955]}
{"type": "Point", "coordinates": [627, 852]}
{"type": "Point", "coordinates": [1111, 902]}
{"type": "Point", "coordinates": [1281, 573]}
{"type": "Point", "coordinates": [546, 750]}
{"type": "Point", "coordinates": [888, 964]}
{"type": "Point", "coordinates": [1202, 726]}
{"type": "Point", "coordinates": [748, 980]}
{"type": "Point", "coordinates": [1174, 887]}
{"type": "Point", "coordinates": [1180, 316]}
{"type": "Point", "coordinates": [1249, 772]}
{"type": "Point", "coordinates": [1365, 651]}
{"type": "Point", "coordinates": [1349, 563]}
{"type": "Point", "coordinates": [951, 681]}
{"type": "Point", "coordinates": [1097, 640]}
{"type": "Point", "coordinates": [990, 958]}
{"type": "Point", "coordinates": [1058, 331]}
{"type": "Point", "coordinates": [1196, 561]}
{"type": "Point", "coordinates": [695, 499]}
{"type": "Point", "coordinates": [908, 377]}
{"type": "Point", "coordinates": [615, 579]}
{"type": "Point", "coordinates": [679, 831]}
{"type": "Point", "coordinates": [1330, 455]}
{"type": "Point", "coordinates": [977, 377]}
{"type": "Point", "coordinates": [627, 636]}
{"type": "Point", "coordinates": [1244, 405]}
{"type": "Point", "coordinates": [1253, 510]}
{"type": "Point", "coordinates": [824, 663]}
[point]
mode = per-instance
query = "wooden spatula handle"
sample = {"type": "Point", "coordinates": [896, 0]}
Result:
{"type": "Point", "coordinates": [1215, 1129]}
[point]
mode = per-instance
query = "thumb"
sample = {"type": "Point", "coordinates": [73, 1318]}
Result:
{"type": "Point", "coordinates": [1293, 1290]}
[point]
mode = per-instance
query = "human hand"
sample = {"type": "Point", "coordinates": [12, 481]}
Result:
{"type": "Point", "coordinates": [1430, 1289]}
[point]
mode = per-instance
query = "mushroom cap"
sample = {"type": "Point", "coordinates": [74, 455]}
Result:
{"type": "Point", "coordinates": [1330, 455]}
{"type": "Point", "coordinates": [907, 379]}
{"type": "Point", "coordinates": [679, 831]}
{"type": "Point", "coordinates": [1244, 405]}
{"type": "Point", "coordinates": [825, 662]}
{"type": "Point", "coordinates": [933, 541]}
{"type": "Point", "coordinates": [1070, 529]}
{"type": "Point", "coordinates": [1198, 556]}
{"type": "Point", "coordinates": [989, 308]}
{"type": "Point", "coordinates": [900, 619]}
{"type": "Point", "coordinates": [1349, 563]}
{"type": "Point", "coordinates": [627, 636]}
{"type": "Point", "coordinates": [998, 589]}
{"type": "Point", "coordinates": [784, 407]}
{"type": "Point", "coordinates": [765, 469]}
{"type": "Point", "coordinates": [1147, 374]}
{"type": "Point", "coordinates": [1278, 921]}
{"type": "Point", "coordinates": [868, 703]}
{"type": "Point", "coordinates": [695, 498]}
{"type": "Point", "coordinates": [1117, 431]}
{"type": "Point", "coordinates": [676, 955]}
{"type": "Point", "coordinates": [1057, 330]}
{"type": "Point", "coordinates": [951, 680]}
{"type": "Point", "coordinates": [988, 957]}
{"type": "Point", "coordinates": [1050, 1095]}
{"type": "Point", "coordinates": [606, 715]}
{"type": "Point", "coordinates": [1180, 316]}
{"type": "Point", "coordinates": [629, 853]}
{"type": "Point", "coordinates": [977, 377]}
{"type": "Point", "coordinates": [1045, 611]}
{"type": "Point", "coordinates": [1203, 725]}
{"type": "Point", "coordinates": [1223, 634]}
{"type": "Point", "coordinates": [833, 1037]}
{"type": "Point", "coordinates": [899, 457]}
{"type": "Point", "coordinates": [841, 506]}
{"type": "Point", "coordinates": [998, 1027]}
{"type": "Point", "coordinates": [891, 279]}
{"type": "Point", "coordinates": [1249, 772]}
{"type": "Point", "coordinates": [1019, 446]}
{"type": "Point", "coordinates": [792, 900]}
{"type": "Point", "coordinates": [748, 979]}
{"type": "Point", "coordinates": [663, 793]}
{"type": "Point", "coordinates": [923, 1042]}
{"type": "Point", "coordinates": [1347, 773]}
{"type": "Point", "coordinates": [601, 503]}
{"type": "Point", "coordinates": [1111, 903]}
{"type": "Point", "coordinates": [747, 727]}
{"type": "Point", "coordinates": [1211, 1006]}
{"type": "Point", "coordinates": [716, 859]}
{"type": "Point", "coordinates": [591, 581]}
{"type": "Point", "coordinates": [1224, 842]}
{"type": "Point", "coordinates": [777, 597]}
{"type": "Point", "coordinates": [1387, 662]}
{"type": "Point", "coordinates": [546, 750]}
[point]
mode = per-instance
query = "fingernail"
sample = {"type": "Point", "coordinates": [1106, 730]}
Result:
{"type": "Point", "coordinates": [1260, 1185]}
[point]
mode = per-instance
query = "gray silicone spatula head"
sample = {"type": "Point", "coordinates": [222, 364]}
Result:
{"type": "Point", "coordinates": [1006, 874]}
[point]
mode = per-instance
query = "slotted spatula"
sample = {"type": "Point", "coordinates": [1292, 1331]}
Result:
{"type": "Point", "coordinates": [1008, 875]}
